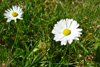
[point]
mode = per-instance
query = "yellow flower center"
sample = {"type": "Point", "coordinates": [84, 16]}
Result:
{"type": "Point", "coordinates": [14, 14]}
{"type": "Point", "coordinates": [66, 32]}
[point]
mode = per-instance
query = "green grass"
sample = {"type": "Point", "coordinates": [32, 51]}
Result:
{"type": "Point", "coordinates": [18, 41]}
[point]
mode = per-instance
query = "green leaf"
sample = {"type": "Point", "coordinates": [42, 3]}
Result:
{"type": "Point", "coordinates": [82, 46]}
{"type": "Point", "coordinates": [18, 62]}
{"type": "Point", "coordinates": [97, 45]}
{"type": "Point", "coordinates": [30, 52]}
{"type": "Point", "coordinates": [37, 60]}
{"type": "Point", "coordinates": [18, 51]}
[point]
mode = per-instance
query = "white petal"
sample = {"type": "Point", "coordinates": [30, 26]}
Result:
{"type": "Point", "coordinates": [69, 21]}
{"type": "Point", "coordinates": [14, 8]}
{"type": "Point", "coordinates": [63, 42]}
{"type": "Point", "coordinates": [58, 37]}
{"type": "Point", "coordinates": [77, 38]}
{"type": "Point", "coordinates": [70, 41]}
{"type": "Point", "coordinates": [8, 20]}
{"type": "Point", "coordinates": [79, 29]}
{"type": "Point", "coordinates": [15, 20]}
{"type": "Point", "coordinates": [74, 25]}
{"type": "Point", "coordinates": [62, 24]}
{"type": "Point", "coordinates": [56, 31]}
{"type": "Point", "coordinates": [20, 18]}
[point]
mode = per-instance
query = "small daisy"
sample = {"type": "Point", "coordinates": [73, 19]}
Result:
{"type": "Point", "coordinates": [66, 30]}
{"type": "Point", "coordinates": [13, 14]}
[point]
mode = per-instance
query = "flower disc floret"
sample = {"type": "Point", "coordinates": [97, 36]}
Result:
{"type": "Point", "coordinates": [66, 32]}
{"type": "Point", "coordinates": [14, 14]}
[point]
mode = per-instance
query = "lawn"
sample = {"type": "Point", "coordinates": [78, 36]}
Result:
{"type": "Point", "coordinates": [29, 42]}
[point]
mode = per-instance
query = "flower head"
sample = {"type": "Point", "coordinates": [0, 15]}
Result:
{"type": "Point", "coordinates": [66, 30]}
{"type": "Point", "coordinates": [13, 14]}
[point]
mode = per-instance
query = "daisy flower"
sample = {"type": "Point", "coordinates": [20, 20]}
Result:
{"type": "Point", "coordinates": [13, 14]}
{"type": "Point", "coordinates": [66, 31]}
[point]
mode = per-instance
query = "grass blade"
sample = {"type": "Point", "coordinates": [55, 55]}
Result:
{"type": "Point", "coordinates": [18, 62]}
{"type": "Point", "coordinates": [30, 52]}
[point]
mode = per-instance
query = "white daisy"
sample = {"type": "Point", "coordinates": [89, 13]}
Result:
{"type": "Point", "coordinates": [13, 14]}
{"type": "Point", "coordinates": [66, 30]}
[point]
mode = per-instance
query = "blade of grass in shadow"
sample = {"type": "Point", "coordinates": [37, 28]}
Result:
{"type": "Point", "coordinates": [18, 62]}
{"type": "Point", "coordinates": [65, 50]}
{"type": "Point", "coordinates": [13, 59]}
{"type": "Point", "coordinates": [97, 32]}
{"type": "Point", "coordinates": [30, 52]}
{"type": "Point", "coordinates": [34, 59]}
{"type": "Point", "coordinates": [82, 46]}
{"type": "Point", "coordinates": [66, 63]}
{"type": "Point", "coordinates": [50, 64]}
{"type": "Point", "coordinates": [37, 61]}
{"type": "Point", "coordinates": [10, 62]}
